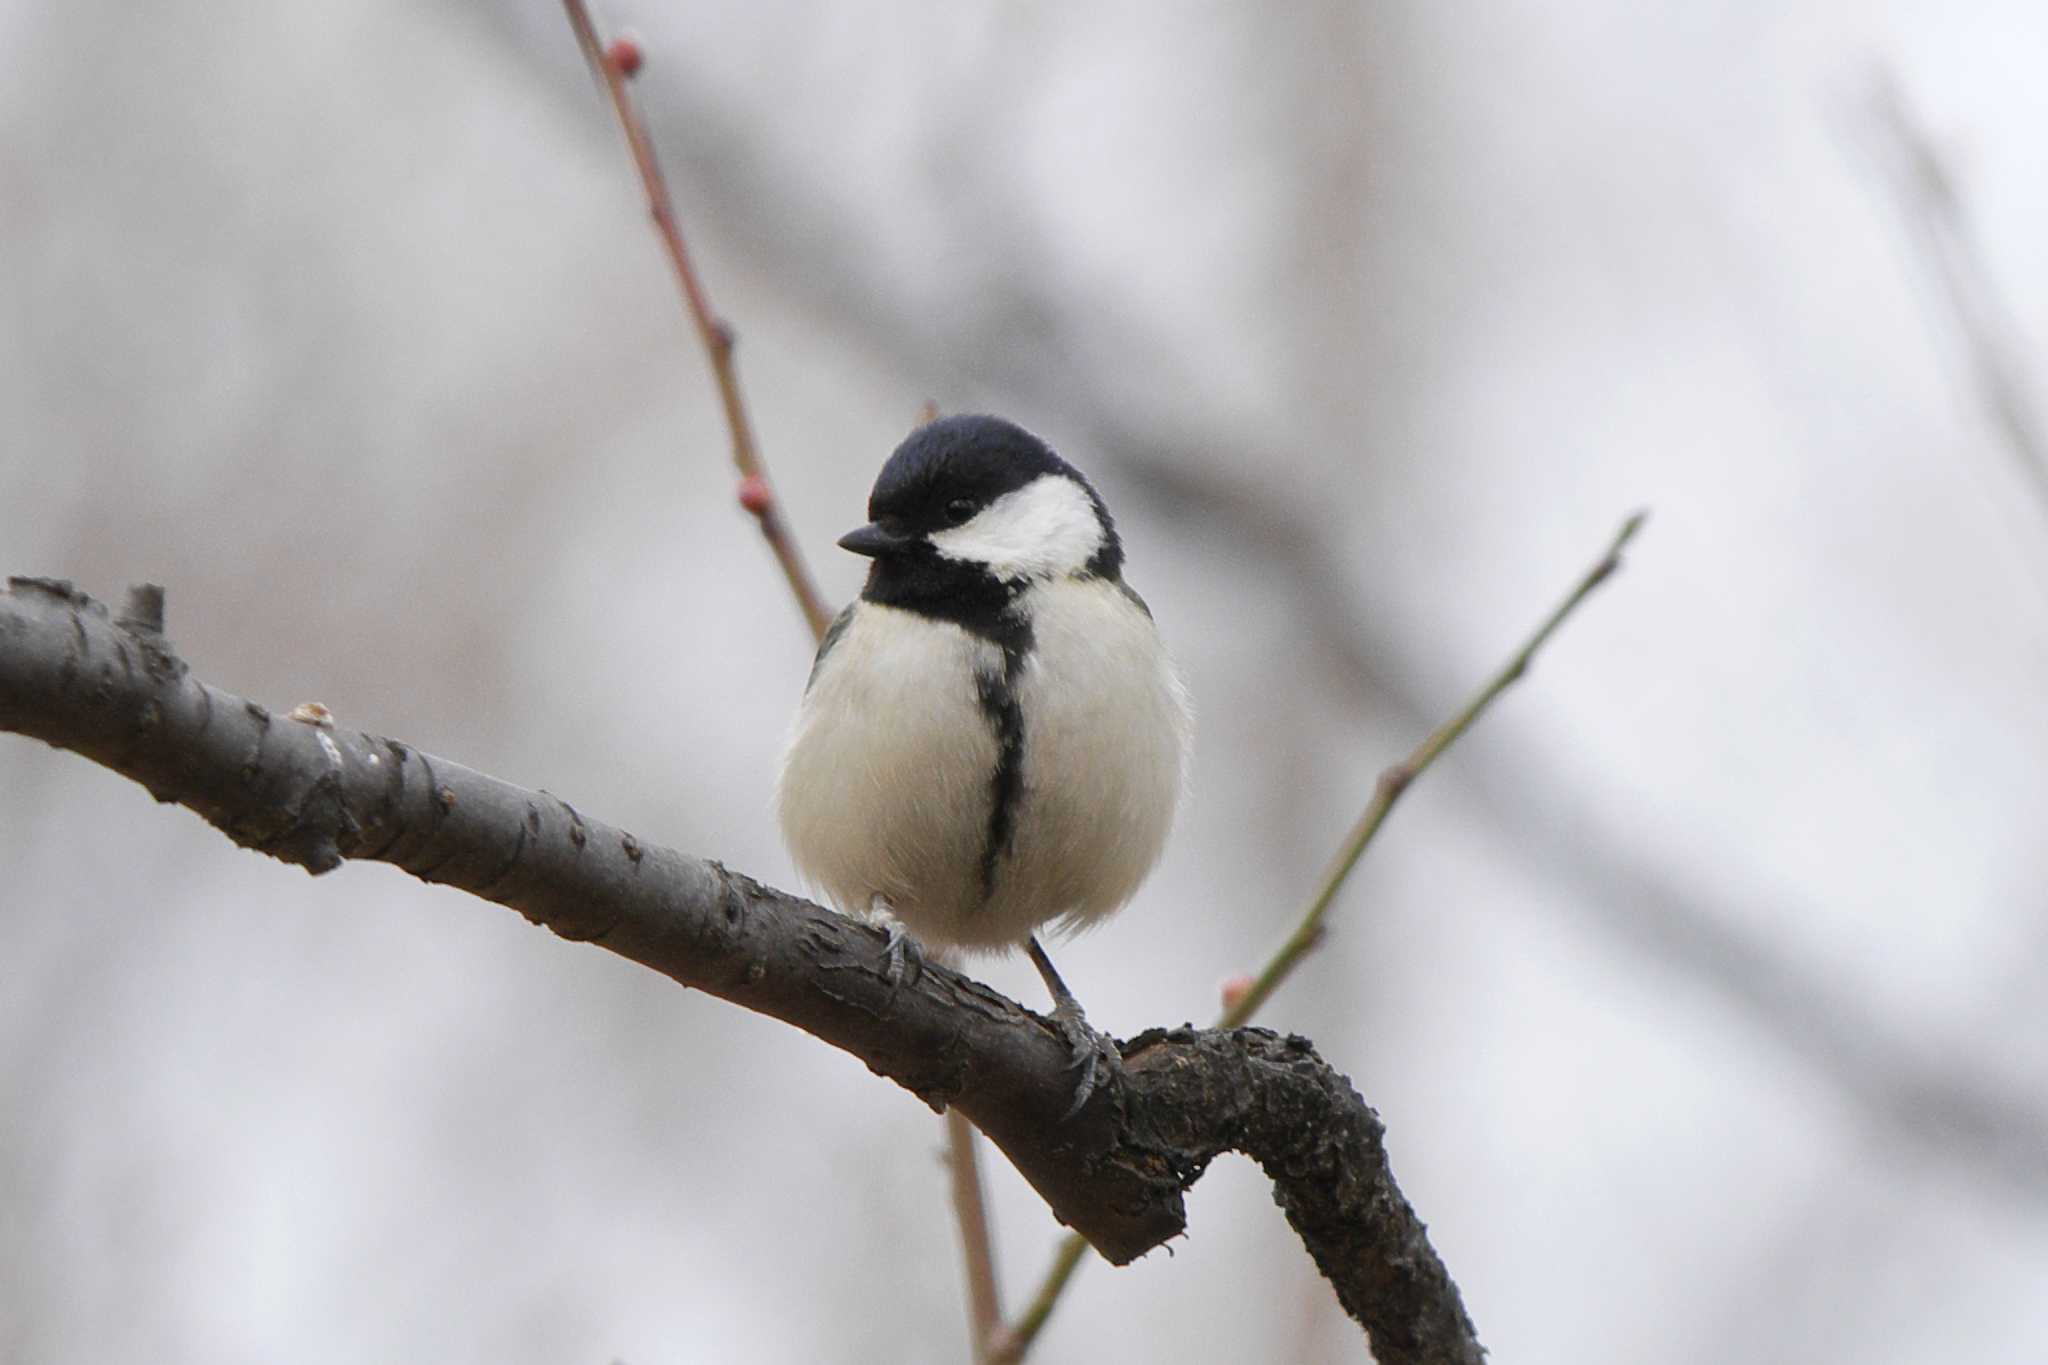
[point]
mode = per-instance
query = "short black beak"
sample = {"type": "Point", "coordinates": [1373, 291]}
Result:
{"type": "Point", "coordinates": [873, 540]}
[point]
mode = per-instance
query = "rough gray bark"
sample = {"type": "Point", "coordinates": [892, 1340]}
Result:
{"type": "Point", "coordinates": [308, 791]}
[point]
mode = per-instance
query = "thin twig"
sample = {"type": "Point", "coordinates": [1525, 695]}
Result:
{"type": "Point", "coordinates": [757, 496]}
{"type": "Point", "coordinates": [756, 493]}
{"type": "Point", "coordinates": [977, 1253]}
{"type": "Point", "coordinates": [1397, 779]}
{"type": "Point", "coordinates": [1016, 1339]}
{"type": "Point", "coordinates": [1013, 1341]}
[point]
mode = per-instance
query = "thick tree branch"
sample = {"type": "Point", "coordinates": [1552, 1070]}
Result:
{"type": "Point", "coordinates": [306, 790]}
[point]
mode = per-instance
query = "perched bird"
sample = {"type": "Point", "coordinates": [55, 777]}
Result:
{"type": "Point", "coordinates": [993, 738]}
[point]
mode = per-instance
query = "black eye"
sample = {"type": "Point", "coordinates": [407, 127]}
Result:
{"type": "Point", "coordinates": [959, 510]}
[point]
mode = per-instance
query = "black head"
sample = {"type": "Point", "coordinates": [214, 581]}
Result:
{"type": "Point", "coordinates": [971, 509]}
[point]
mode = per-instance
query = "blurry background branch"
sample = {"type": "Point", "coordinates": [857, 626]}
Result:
{"type": "Point", "coordinates": [1216, 482]}
{"type": "Point", "coordinates": [366, 293]}
{"type": "Point", "coordinates": [1967, 307]}
{"type": "Point", "coordinates": [1907, 1087]}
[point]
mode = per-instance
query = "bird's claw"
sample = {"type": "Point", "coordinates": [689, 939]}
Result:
{"type": "Point", "coordinates": [902, 958]}
{"type": "Point", "coordinates": [1094, 1054]}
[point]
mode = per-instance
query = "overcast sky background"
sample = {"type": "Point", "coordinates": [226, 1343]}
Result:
{"type": "Point", "coordinates": [1700, 990]}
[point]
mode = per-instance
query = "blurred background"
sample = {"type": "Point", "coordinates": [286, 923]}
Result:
{"type": "Point", "coordinates": [1700, 989]}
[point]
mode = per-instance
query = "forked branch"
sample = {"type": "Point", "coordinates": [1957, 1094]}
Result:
{"type": "Point", "coordinates": [307, 790]}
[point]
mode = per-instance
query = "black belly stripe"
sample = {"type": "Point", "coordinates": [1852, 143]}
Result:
{"type": "Point", "coordinates": [984, 606]}
{"type": "Point", "coordinates": [998, 695]}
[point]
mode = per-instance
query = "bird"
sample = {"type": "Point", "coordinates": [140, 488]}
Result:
{"type": "Point", "coordinates": [992, 739]}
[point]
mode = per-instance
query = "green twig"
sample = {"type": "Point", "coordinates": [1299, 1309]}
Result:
{"type": "Point", "coordinates": [1013, 1341]}
{"type": "Point", "coordinates": [1396, 780]}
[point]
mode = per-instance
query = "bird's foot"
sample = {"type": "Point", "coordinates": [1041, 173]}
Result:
{"type": "Point", "coordinates": [1094, 1053]}
{"type": "Point", "coordinates": [902, 957]}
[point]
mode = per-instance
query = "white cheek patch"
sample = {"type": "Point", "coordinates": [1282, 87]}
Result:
{"type": "Point", "coordinates": [1046, 529]}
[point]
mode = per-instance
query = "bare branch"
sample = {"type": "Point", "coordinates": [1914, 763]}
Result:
{"type": "Point", "coordinates": [1013, 1341]}
{"type": "Point", "coordinates": [977, 1246]}
{"type": "Point", "coordinates": [306, 790]}
{"type": "Point", "coordinates": [1397, 779]}
{"type": "Point", "coordinates": [756, 493]}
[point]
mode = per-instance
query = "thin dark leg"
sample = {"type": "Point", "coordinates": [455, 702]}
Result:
{"type": "Point", "coordinates": [1063, 1002]}
{"type": "Point", "coordinates": [1091, 1049]}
